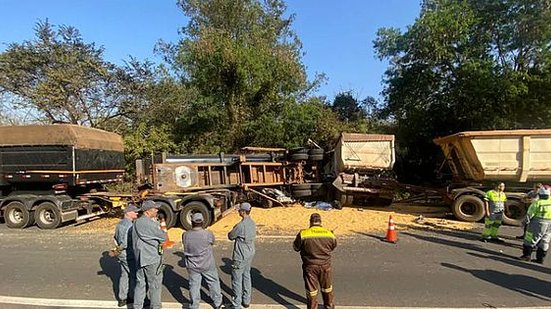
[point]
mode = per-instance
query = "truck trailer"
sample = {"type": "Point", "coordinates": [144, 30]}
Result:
{"type": "Point", "coordinates": [50, 174]}
{"type": "Point", "coordinates": [479, 160]}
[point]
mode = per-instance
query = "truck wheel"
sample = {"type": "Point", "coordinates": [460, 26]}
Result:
{"type": "Point", "coordinates": [47, 216]}
{"type": "Point", "coordinates": [17, 216]}
{"type": "Point", "coordinates": [383, 202]}
{"type": "Point", "coordinates": [468, 208]}
{"type": "Point", "coordinates": [515, 212]}
{"type": "Point", "coordinates": [266, 203]}
{"type": "Point", "coordinates": [165, 211]}
{"type": "Point", "coordinates": [299, 157]}
{"type": "Point", "coordinates": [191, 208]}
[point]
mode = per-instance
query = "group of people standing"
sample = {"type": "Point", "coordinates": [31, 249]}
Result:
{"type": "Point", "coordinates": [139, 243]}
{"type": "Point", "coordinates": [537, 224]}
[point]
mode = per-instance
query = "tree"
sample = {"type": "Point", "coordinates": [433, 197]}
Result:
{"type": "Point", "coordinates": [348, 107]}
{"type": "Point", "coordinates": [61, 77]}
{"type": "Point", "coordinates": [466, 65]}
{"type": "Point", "coordinates": [243, 59]}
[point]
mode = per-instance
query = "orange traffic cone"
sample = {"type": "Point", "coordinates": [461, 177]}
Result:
{"type": "Point", "coordinates": [391, 234]}
{"type": "Point", "coordinates": [167, 243]}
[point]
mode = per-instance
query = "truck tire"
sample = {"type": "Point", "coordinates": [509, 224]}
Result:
{"type": "Point", "coordinates": [17, 216]}
{"type": "Point", "coordinates": [468, 208]}
{"type": "Point", "coordinates": [299, 157]}
{"type": "Point", "coordinates": [515, 212]}
{"type": "Point", "coordinates": [193, 207]}
{"type": "Point", "coordinates": [316, 151]}
{"type": "Point", "coordinates": [266, 203]}
{"type": "Point", "coordinates": [316, 154]}
{"type": "Point", "coordinates": [383, 202]}
{"type": "Point", "coordinates": [166, 212]}
{"type": "Point", "coordinates": [47, 216]}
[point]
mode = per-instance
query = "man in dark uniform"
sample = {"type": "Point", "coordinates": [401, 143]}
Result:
{"type": "Point", "coordinates": [315, 245]}
{"type": "Point", "coordinates": [123, 240]}
{"type": "Point", "coordinates": [147, 239]}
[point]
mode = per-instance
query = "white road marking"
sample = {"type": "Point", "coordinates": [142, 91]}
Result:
{"type": "Point", "coordinates": [81, 303]}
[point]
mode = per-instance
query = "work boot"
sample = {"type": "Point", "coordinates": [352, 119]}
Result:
{"type": "Point", "coordinates": [122, 303]}
{"type": "Point", "coordinates": [540, 255]}
{"type": "Point", "coordinates": [526, 253]}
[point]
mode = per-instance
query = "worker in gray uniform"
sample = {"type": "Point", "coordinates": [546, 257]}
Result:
{"type": "Point", "coordinates": [147, 238]}
{"type": "Point", "coordinates": [123, 240]}
{"type": "Point", "coordinates": [243, 234]}
{"type": "Point", "coordinates": [199, 261]}
{"type": "Point", "coordinates": [539, 229]}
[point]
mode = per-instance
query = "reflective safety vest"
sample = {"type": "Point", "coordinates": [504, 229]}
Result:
{"type": "Point", "coordinates": [496, 200]}
{"type": "Point", "coordinates": [540, 209]}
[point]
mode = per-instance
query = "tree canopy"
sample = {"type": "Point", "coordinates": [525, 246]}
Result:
{"type": "Point", "coordinates": [60, 77]}
{"type": "Point", "coordinates": [466, 65]}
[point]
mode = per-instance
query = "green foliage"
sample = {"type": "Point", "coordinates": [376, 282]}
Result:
{"type": "Point", "coordinates": [61, 77]}
{"type": "Point", "coordinates": [243, 59]}
{"type": "Point", "coordinates": [466, 65]}
{"type": "Point", "coordinates": [146, 139]}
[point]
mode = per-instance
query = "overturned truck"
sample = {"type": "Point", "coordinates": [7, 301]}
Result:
{"type": "Point", "coordinates": [358, 169]}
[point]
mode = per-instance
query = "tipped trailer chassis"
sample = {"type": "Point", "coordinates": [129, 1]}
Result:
{"type": "Point", "coordinates": [212, 184]}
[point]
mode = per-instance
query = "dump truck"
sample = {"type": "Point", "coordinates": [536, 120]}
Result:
{"type": "Point", "coordinates": [50, 174]}
{"type": "Point", "coordinates": [479, 160]}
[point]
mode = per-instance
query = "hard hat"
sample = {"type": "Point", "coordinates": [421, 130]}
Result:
{"type": "Point", "coordinates": [544, 191]}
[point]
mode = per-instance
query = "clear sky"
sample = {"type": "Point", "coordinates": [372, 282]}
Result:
{"type": "Point", "coordinates": [337, 35]}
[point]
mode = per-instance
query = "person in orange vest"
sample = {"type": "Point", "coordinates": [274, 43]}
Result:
{"type": "Point", "coordinates": [495, 206]}
{"type": "Point", "coordinates": [315, 245]}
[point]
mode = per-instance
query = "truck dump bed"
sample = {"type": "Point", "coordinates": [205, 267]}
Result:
{"type": "Point", "coordinates": [508, 155]}
{"type": "Point", "coordinates": [59, 153]}
{"type": "Point", "coordinates": [357, 152]}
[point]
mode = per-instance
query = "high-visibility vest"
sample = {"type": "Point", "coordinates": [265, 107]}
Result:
{"type": "Point", "coordinates": [540, 209]}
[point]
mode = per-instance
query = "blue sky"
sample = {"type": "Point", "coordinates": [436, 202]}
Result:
{"type": "Point", "coordinates": [337, 35]}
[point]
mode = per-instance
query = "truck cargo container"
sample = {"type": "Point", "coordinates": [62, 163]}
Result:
{"type": "Point", "coordinates": [50, 174]}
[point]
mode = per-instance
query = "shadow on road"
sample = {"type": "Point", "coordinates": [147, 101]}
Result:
{"type": "Point", "coordinates": [519, 283]}
{"type": "Point", "coordinates": [458, 244]}
{"type": "Point", "coordinates": [514, 262]}
{"type": "Point", "coordinates": [175, 283]}
{"type": "Point", "coordinates": [381, 238]}
{"type": "Point", "coordinates": [110, 267]}
{"type": "Point", "coordinates": [266, 286]}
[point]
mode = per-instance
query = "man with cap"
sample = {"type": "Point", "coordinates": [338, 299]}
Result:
{"type": "Point", "coordinates": [315, 245]}
{"type": "Point", "coordinates": [123, 240]}
{"type": "Point", "coordinates": [243, 234]}
{"type": "Point", "coordinates": [199, 261]}
{"type": "Point", "coordinates": [147, 239]}
{"type": "Point", "coordinates": [539, 229]}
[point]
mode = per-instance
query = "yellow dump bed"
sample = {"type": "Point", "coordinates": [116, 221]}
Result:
{"type": "Point", "coordinates": [506, 155]}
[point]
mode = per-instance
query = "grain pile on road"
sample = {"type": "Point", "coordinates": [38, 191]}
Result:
{"type": "Point", "coordinates": [287, 221]}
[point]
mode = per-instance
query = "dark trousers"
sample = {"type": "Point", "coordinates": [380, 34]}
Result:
{"type": "Point", "coordinates": [318, 276]}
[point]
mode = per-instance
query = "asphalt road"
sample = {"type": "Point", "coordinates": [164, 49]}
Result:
{"type": "Point", "coordinates": [425, 269]}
